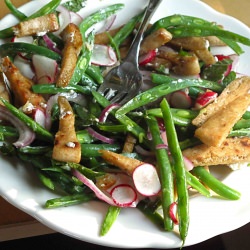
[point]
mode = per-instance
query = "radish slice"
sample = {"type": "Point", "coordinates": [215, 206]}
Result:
{"type": "Point", "coordinates": [146, 180]}
{"type": "Point", "coordinates": [172, 213]}
{"type": "Point", "coordinates": [39, 116]}
{"type": "Point", "coordinates": [45, 69]}
{"type": "Point", "coordinates": [204, 99]}
{"type": "Point", "coordinates": [24, 66]}
{"type": "Point", "coordinates": [188, 164]}
{"type": "Point", "coordinates": [24, 39]}
{"type": "Point", "coordinates": [147, 58]}
{"type": "Point", "coordinates": [104, 25]}
{"type": "Point", "coordinates": [63, 17]}
{"type": "Point", "coordinates": [75, 18]}
{"type": "Point", "coordinates": [103, 55]}
{"type": "Point", "coordinates": [124, 195]}
{"type": "Point", "coordinates": [180, 99]}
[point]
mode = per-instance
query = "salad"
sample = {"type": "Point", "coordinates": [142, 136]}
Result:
{"type": "Point", "coordinates": [150, 153]}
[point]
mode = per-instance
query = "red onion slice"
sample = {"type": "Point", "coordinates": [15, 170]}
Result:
{"type": "Point", "coordinates": [106, 111]}
{"type": "Point", "coordinates": [51, 45]}
{"type": "Point", "coordinates": [100, 137]}
{"type": "Point", "coordinates": [99, 194]}
{"type": "Point", "coordinates": [26, 135]}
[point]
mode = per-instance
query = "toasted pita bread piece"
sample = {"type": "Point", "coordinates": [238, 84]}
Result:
{"type": "Point", "coordinates": [217, 128]}
{"type": "Point", "coordinates": [232, 150]}
{"type": "Point", "coordinates": [237, 88]}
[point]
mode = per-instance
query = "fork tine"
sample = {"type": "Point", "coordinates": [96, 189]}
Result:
{"type": "Point", "coordinates": [118, 97]}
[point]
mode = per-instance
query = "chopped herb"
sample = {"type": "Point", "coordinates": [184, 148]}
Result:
{"type": "Point", "coordinates": [75, 5]}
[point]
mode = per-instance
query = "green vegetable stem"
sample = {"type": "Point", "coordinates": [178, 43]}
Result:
{"type": "Point", "coordinates": [165, 170]}
{"type": "Point", "coordinates": [179, 168]}
{"type": "Point", "coordinates": [217, 186]}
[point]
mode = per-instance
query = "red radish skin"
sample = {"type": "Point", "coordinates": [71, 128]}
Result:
{"type": "Point", "coordinates": [147, 58]}
{"type": "Point", "coordinates": [146, 180]}
{"type": "Point", "coordinates": [172, 213]}
{"type": "Point", "coordinates": [124, 195]}
{"type": "Point", "coordinates": [180, 99]}
{"type": "Point", "coordinates": [204, 99]}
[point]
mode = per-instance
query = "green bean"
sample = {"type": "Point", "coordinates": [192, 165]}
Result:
{"type": "Point", "coordinates": [112, 128]}
{"type": "Point", "coordinates": [179, 20]}
{"type": "Point", "coordinates": [92, 150]}
{"type": "Point", "coordinates": [18, 14]}
{"type": "Point", "coordinates": [210, 31]}
{"type": "Point", "coordinates": [8, 131]}
{"type": "Point", "coordinates": [241, 124]}
{"type": "Point", "coordinates": [197, 185]}
{"type": "Point", "coordinates": [131, 126]}
{"type": "Point", "coordinates": [10, 48]}
{"type": "Point", "coordinates": [179, 169]}
{"type": "Point", "coordinates": [47, 182]}
{"type": "Point", "coordinates": [89, 173]}
{"type": "Point", "coordinates": [98, 16]}
{"type": "Point", "coordinates": [37, 128]}
{"type": "Point", "coordinates": [84, 137]}
{"type": "Point", "coordinates": [126, 30]}
{"type": "Point", "coordinates": [109, 219]}
{"type": "Point", "coordinates": [164, 79]}
{"type": "Point", "coordinates": [246, 115]}
{"type": "Point", "coordinates": [88, 39]}
{"type": "Point", "coordinates": [240, 132]}
{"type": "Point", "coordinates": [46, 9]}
{"type": "Point", "coordinates": [214, 184]}
{"type": "Point", "coordinates": [95, 73]}
{"type": "Point", "coordinates": [177, 117]}
{"type": "Point", "coordinates": [53, 89]}
{"type": "Point", "coordinates": [170, 85]}
{"type": "Point", "coordinates": [69, 200]}
{"type": "Point", "coordinates": [36, 150]}
{"type": "Point", "coordinates": [38, 161]}
{"type": "Point", "coordinates": [150, 212]}
{"type": "Point", "coordinates": [183, 26]}
{"type": "Point", "coordinates": [189, 142]}
{"type": "Point", "coordinates": [165, 172]}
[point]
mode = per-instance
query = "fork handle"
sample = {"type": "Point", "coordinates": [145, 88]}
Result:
{"type": "Point", "coordinates": [134, 49]}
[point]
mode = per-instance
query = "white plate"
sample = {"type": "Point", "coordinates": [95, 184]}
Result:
{"type": "Point", "coordinates": [208, 217]}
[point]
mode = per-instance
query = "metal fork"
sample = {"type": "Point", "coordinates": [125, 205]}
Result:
{"type": "Point", "coordinates": [123, 82]}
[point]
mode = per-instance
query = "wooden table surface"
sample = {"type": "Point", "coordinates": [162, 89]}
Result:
{"type": "Point", "coordinates": [17, 224]}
